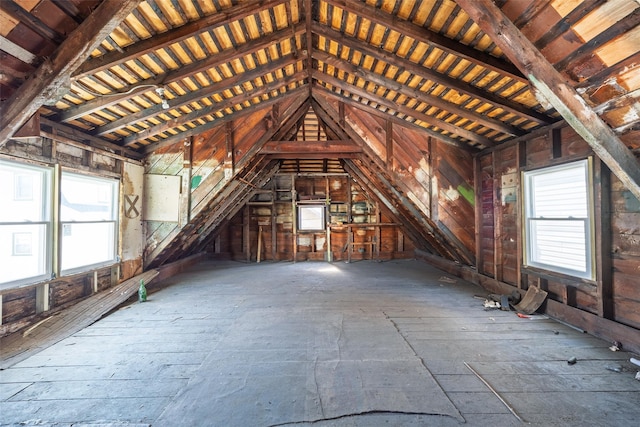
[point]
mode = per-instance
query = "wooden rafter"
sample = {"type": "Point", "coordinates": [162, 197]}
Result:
{"type": "Point", "coordinates": [419, 70]}
{"type": "Point", "coordinates": [197, 95]}
{"type": "Point", "coordinates": [425, 35]}
{"type": "Point", "coordinates": [374, 111]}
{"type": "Point", "coordinates": [433, 121]}
{"type": "Point", "coordinates": [219, 121]}
{"type": "Point", "coordinates": [176, 35]}
{"type": "Point", "coordinates": [87, 139]}
{"type": "Point", "coordinates": [552, 86]}
{"type": "Point", "coordinates": [180, 73]}
{"type": "Point", "coordinates": [417, 94]}
{"type": "Point", "coordinates": [16, 11]}
{"type": "Point", "coordinates": [311, 149]}
{"type": "Point", "coordinates": [55, 72]}
{"type": "Point", "coordinates": [218, 106]}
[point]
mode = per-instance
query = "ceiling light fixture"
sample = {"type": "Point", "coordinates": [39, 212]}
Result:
{"type": "Point", "coordinates": [161, 94]}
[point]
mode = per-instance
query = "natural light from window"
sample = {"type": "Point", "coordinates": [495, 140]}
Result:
{"type": "Point", "coordinates": [25, 222]}
{"type": "Point", "coordinates": [311, 217]}
{"type": "Point", "coordinates": [558, 219]}
{"type": "Point", "coordinates": [88, 218]}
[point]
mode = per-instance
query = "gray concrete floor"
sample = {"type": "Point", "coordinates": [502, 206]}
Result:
{"type": "Point", "coordinates": [281, 344]}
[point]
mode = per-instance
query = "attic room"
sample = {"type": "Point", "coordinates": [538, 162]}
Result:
{"type": "Point", "coordinates": [489, 147]}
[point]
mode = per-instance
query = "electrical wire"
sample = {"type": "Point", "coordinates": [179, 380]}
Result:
{"type": "Point", "coordinates": [86, 89]}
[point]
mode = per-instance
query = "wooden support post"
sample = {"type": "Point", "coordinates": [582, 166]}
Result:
{"type": "Point", "coordinates": [294, 217]}
{"type": "Point", "coordinates": [328, 218]}
{"type": "Point", "coordinates": [274, 225]}
{"type": "Point", "coordinates": [185, 196]}
{"type": "Point", "coordinates": [477, 178]}
{"type": "Point", "coordinates": [521, 158]}
{"type": "Point", "coordinates": [389, 141]}
{"type": "Point", "coordinates": [603, 263]}
{"type": "Point", "coordinates": [229, 161]}
{"type": "Point", "coordinates": [42, 298]}
{"type": "Point", "coordinates": [433, 183]}
{"type": "Point", "coordinates": [349, 219]}
{"type": "Point", "coordinates": [259, 250]}
{"type": "Point", "coordinates": [245, 233]}
{"type": "Point", "coordinates": [497, 215]}
{"type": "Point", "coordinates": [378, 231]}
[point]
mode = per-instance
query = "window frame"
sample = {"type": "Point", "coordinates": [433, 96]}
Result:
{"type": "Point", "coordinates": [46, 221]}
{"type": "Point", "coordinates": [528, 220]}
{"type": "Point", "coordinates": [323, 220]}
{"type": "Point", "coordinates": [66, 225]}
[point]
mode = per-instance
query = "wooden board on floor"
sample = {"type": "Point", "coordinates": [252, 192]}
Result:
{"type": "Point", "coordinates": [22, 344]}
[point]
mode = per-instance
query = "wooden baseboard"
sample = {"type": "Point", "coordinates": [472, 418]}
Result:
{"type": "Point", "coordinates": [608, 330]}
{"type": "Point", "coordinates": [179, 266]}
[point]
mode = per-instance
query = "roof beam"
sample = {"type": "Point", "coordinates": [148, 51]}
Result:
{"type": "Point", "coordinates": [11, 8]}
{"type": "Point", "coordinates": [433, 121]}
{"type": "Point", "coordinates": [374, 111]}
{"type": "Point", "coordinates": [416, 94]}
{"type": "Point", "coordinates": [54, 72]}
{"type": "Point", "coordinates": [196, 95]}
{"type": "Point", "coordinates": [417, 69]}
{"type": "Point", "coordinates": [425, 35]}
{"type": "Point", "coordinates": [173, 36]}
{"type": "Point", "coordinates": [218, 121]}
{"type": "Point", "coordinates": [311, 149]}
{"type": "Point", "coordinates": [552, 86]}
{"type": "Point", "coordinates": [178, 74]}
{"type": "Point", "coordinates": [90, 140]}
{"type": "Point", "coordinates": [215, 107]}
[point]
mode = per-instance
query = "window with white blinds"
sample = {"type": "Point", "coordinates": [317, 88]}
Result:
{"type": "Point", "coordinates": [558, 219]}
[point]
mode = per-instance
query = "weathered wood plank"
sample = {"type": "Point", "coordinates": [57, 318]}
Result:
{"type": "Point", "coordinates": [55, 72]}
{"type": "Point", "coordinates": [18, 346]}
{"type": "Point", "coordinates": [552, 86]}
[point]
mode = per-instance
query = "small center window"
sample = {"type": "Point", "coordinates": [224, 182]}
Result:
{"type": "Point", "coordinates": [311, 217]}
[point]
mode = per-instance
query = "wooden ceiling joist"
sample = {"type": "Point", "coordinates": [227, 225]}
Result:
{"type": "Point", "coordinates": [418, 70]}
{"type": "Point", "coordinates": [311, 149]}
{"type": "Point", "coordinates": [55, 72]}
{"type": "Point", "coordinates": [173, 36]}
{"type": "Point", "coordinates": [196, 95]}
{"type": "Point", "coordinates": [180, 73]}
{"type": "Point", "coordinates": [299, 92]}
{"type": "Point", "coordinates": [416, 94]}
{"type": "Point", "coordinates": [215, 107]}
{"type": "Point", "coordinates": [393, 106]}
{"type": "Point", "coordinates": [321, 90]}
{"type": "Point", "coordinates": [425, 35]}
{"type": "Point", "coordinates": [552, 86]}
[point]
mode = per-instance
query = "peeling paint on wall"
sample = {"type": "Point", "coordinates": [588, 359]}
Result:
{"type": "Point", "coordinates": [467, 193]}
{"type": "Point", "coordinates": [195, 181]}
{"type": "Point", "coordinates": [451, 193]}
{"type": "Point", "coordinates": [424, 165]}
{"type": "Point", "coordinates": [631, 203]}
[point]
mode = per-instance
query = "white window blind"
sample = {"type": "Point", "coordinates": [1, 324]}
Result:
{"type": "Point", "coordinates": [558, 219]}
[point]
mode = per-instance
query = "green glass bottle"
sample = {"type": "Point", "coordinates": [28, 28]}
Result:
{"type": "Point", "coordinates": [142, 292]}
